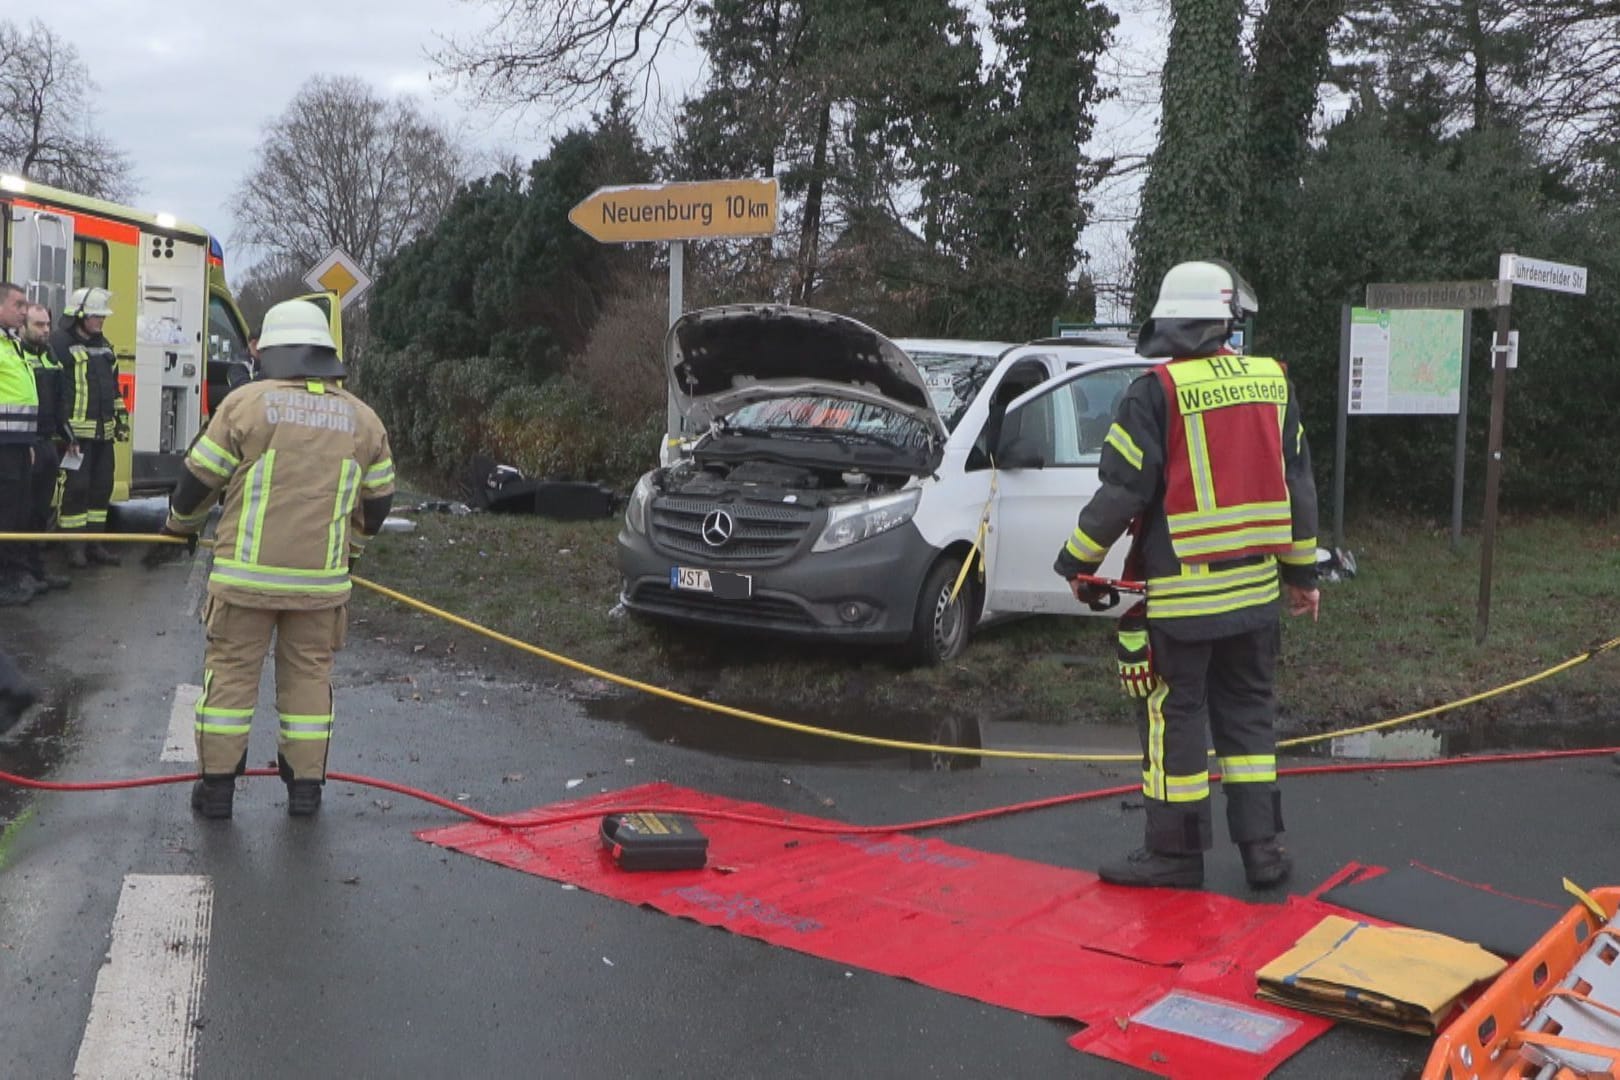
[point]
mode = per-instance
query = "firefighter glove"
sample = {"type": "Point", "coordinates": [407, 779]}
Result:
{"type": "Point", "coordinates": [1098, 596]}
{"type": "Point", "coordinates": [121, 428]}
{"type": "Point", "coordinates": [1136, 677]}
{"type": "Point", "coordinates": [160, 554]}
{"type": "Point", "coordinates": [1135, 655]}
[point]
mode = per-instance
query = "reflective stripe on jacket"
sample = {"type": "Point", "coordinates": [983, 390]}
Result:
{"type": "Point", "coordinates": [292, 459]}
{"type": "Point", "coordinates": [95, 408]}
{"type": "Point", "coordinates": [1223, 585]}
{"type": "Point", "coordinates": [1225, 495]}
{"type": "Point", "coordinates": [19, 396]}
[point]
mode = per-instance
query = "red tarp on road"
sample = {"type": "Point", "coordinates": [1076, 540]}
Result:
{"type": "Point", "coordinates": [1023, 935]}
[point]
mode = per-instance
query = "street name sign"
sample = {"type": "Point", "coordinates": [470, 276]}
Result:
{"type": "Point", "coordinates": [1541, 274]}
{"type": "Point", "coordinates": [1432, 295]}
{"type": "Point", "coordinates": [339, 273]}
{"type": "Point", "coordinates": [702, 210]}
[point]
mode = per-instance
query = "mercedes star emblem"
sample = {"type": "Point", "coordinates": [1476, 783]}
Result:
{"type": "Point", "coordinates": [717, 528]}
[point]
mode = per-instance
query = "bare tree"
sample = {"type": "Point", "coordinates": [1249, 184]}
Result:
{"type": "Point", "coordinates": [344, 167]}
{"type": "Point", "coordinates": [47, 128]}
{"type": "Point", "coordinates": [563, 53]}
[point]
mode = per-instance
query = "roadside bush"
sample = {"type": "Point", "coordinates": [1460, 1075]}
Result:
{"type": "Point", "coordinates": [623, 362]}
{"type": "Point", "coordinates": [436, 411]}
{"type": "Point", "coordinates": [563, 431]}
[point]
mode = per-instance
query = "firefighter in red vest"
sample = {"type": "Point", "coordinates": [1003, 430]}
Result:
{"type": "Point", "coordinates": [1208, 450]}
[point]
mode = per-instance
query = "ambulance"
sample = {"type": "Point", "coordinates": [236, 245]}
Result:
{"type": "Point", "coordinates": [175, 326]}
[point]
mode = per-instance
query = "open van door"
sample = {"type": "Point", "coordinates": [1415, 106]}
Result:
{"type": "Point", "coordinates": [332, 304]}
{"type": "Point", "coordinates": [1047, 454]}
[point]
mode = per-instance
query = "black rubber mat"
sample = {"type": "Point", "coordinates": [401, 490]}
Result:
{"type": "Point", "coordinates": [1425, 899]}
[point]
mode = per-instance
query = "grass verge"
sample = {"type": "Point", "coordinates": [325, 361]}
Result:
{"type": "Point", "coordinates": [1397, 638]}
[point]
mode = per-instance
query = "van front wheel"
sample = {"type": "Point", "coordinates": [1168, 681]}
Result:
{"type": "Point", "coordinates": [941, 627]}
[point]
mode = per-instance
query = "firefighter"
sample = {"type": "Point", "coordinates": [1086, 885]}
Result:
{"type": "Point", "coordinates": [54, 437]}
{"type": "Point", "coordinates": [96, 417]}
{"type": "Point", "coordinates": [1209, 451]}
{"type": "Point", "coordinates": [305, 473]}
{"type": "Point", "coordinates": [19, 426]}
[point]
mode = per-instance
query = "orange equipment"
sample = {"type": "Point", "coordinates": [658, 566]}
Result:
{"type": "Point", "coordinates": [1555, 1014]}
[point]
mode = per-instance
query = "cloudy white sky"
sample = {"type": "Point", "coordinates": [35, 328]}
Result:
{"type": "Point", "coordinates": [187, 85]}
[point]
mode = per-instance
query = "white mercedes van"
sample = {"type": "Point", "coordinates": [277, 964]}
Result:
{"type": "Point", "coordinates": [837, 481]}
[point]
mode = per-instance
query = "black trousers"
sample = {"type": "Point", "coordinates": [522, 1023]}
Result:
{"type": "Point", "coordinates": [89, 487]}
{"type": "Point", "coordinates": [16, 502]}
{"type": "Point", "coordinates": [46, 483]}
{"type": "Point", "coordinates": [1220, 689]}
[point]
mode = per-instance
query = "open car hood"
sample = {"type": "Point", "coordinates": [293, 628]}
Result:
{"type": "Point", "coordinates": [723, 358]}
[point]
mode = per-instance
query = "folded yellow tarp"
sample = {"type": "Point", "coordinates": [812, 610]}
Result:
{"type": "Point", "coordinates": [1387, 976]}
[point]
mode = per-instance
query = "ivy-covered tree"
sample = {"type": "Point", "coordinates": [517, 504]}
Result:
{"type": "Point", "coordinates": [1192, 200]}
{"type": "Point", "coordinates": [1024, 227]}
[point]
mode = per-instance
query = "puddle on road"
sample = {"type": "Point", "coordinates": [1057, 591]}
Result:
{"type": "Point", "coordinates": [1478, 737]}
{"type": "Point", "coordinates": [35, 747]}
{"type": "Point", "coordinates": [697, 729]}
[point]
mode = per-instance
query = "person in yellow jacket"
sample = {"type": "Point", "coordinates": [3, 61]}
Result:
{"type": "Point", "coordinates": [96, 417]}
{"type": "Point", "coordinates": [19, 426]}
{"type": "Point", "coordinates": [305, 474]}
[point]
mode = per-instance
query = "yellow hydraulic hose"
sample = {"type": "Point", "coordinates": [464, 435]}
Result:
{"type": "Point", "coordinates": [827, 733]}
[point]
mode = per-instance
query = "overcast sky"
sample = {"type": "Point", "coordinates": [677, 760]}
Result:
{"type": "Point", "coordinates": [186, 86]}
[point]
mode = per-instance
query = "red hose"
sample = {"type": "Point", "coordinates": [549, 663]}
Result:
{"type": "Point", "coordinates": [829, 827]}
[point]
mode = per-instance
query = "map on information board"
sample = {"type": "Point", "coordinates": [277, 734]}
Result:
{"type": "Point", "coordinates": [1405, 361]}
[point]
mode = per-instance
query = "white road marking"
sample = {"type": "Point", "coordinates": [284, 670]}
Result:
{"type": "Point", "coordinates": [181, 744]}
{"type": "Point", "coordinates": [149, 992]}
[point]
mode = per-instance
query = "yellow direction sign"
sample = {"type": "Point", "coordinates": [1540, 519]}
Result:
{"type": "Point", "coordinates": [339, 273]}
{"type": "Point", "coordinates": [704, 210]}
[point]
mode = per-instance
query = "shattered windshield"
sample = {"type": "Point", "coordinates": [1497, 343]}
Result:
{"type": "Point", "coordinates": [953, 381]}
{"type": "Point", "coordinates": [815, 415]}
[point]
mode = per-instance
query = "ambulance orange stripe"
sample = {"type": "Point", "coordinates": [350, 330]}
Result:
{"type": "Point", "coordinates": [94, 227]}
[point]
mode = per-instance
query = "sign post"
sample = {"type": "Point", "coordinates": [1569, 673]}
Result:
{"type": "Point", "coordinates": [1535, 274]}
{"type": "Point", "coordinates": [675, 213]}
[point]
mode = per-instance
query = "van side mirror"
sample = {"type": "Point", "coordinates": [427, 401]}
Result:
{"type": "Point", "coordinates": [1019, 453]}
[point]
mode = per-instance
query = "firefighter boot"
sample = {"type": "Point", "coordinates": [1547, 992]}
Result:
{"type": "Point", "coordinates": [77, 558]}
{"type": "Point", "coordinates": [37, 568]}
{"type": "Point", "coordinates": [1146, 867]}
{"type": "Point", "coordinates": [212, 795]}
{"type": "Point", "coordinates": [303, 798]}
{"type": "Point", "coordinates": [15, 591]}
{"type": "Point", "coordinates": [1265, 862]}
{"type": "Point", "coordinates": [102, 555]}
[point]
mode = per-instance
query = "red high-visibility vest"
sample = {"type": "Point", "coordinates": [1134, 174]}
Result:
{"type": "Point", "coordinates": [1226, 492]}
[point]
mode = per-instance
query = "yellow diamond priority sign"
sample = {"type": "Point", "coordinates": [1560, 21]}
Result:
{"type": "Point", "coordinates": [339, 273]}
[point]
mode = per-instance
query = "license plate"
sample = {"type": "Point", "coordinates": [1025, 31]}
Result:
{"type": "Point", "coordinates": [724, 585]}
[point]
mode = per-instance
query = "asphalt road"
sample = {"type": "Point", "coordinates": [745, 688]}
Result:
{"type": "Point", "coordinates": [343, 946]}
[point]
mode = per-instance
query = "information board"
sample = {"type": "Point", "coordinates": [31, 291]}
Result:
{"type": "Point", "coordinates": [1405, 361]}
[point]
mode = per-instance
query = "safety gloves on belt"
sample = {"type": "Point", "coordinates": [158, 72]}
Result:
{"type": "Point", "coordinates": [1135, 655]}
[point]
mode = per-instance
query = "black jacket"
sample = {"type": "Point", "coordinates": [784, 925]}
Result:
{"type": "Point", "coordinates": [52, 388]}
{"type": "Point", "coordinates": [90, 382]}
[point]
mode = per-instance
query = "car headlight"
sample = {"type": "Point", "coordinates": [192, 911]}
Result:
{"type": "Point", "coordinates": [635, 511]}
{"type": "Point", "coordinates": [854, 522]}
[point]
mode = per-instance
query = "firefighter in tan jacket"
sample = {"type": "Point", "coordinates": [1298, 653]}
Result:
{"type": "Point", "coordinates": [305, 475]}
